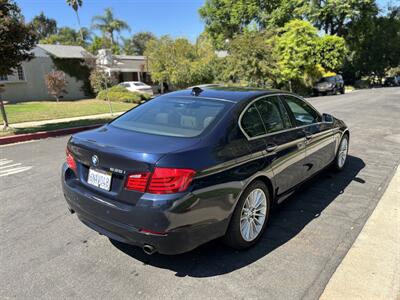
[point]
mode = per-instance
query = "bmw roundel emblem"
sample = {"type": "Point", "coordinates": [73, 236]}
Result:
{"type": "Point", "coordinates": [95, 160]}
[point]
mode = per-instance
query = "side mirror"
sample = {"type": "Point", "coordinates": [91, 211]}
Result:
{"type": "Point", "coordinates": [327, 118]}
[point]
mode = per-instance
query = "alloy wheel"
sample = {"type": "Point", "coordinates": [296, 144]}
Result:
{"type": "Point", "coordinates": [342, 155]}
{"type": "Point", "coordinates": [253, 215]}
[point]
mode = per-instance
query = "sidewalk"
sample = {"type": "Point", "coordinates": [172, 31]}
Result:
{"type": "Point", "coordinates": [371, 268]}
{"type": "Point", "coordinates": [55, 121]}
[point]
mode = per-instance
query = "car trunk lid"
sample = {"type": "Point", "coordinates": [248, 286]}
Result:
{"type": "Point", "coordinates": [121, 152]}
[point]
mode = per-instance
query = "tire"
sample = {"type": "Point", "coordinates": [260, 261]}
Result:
{"type": "Point", "coordinates": [341, 155]}
{"type": "Point", "coordinates": [243, 218]}
{"type": "Point", "coordinates": [342, 91]}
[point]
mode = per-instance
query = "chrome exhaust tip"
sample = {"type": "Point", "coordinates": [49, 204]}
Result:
{"type": "Point", "coordinates": [149, 249]}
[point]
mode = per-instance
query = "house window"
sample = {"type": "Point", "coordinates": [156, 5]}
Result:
{"type": "Point", "coordinates": [20, 73]}
{"type": "Point", "coordinates": [3, 77]}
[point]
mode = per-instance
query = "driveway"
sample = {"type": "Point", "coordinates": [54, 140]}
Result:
{"type": "Point", "coordinates": [47, 253]}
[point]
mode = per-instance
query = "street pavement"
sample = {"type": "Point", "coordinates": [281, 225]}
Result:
{"type": "Point", "coordinates": [47, 253]}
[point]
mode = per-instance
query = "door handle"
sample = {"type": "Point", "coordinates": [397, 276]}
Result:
{"type": "Point", "coordinates": [308, 135]}
{"type": "Point", "coordinates": [271, 147]}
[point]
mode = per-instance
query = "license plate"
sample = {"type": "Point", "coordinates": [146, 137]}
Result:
{"type": "Point", "coordinates": [100, 179]}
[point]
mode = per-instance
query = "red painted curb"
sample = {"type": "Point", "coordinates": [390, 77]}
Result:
{"type": "Point", "coordinates": [43, 134]}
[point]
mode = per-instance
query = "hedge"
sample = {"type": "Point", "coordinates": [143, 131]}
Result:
{"type": "Point", "coordinates": [121, 94]}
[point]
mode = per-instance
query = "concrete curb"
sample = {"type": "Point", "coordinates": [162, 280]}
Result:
{"type": "Point", "coordinates": [43, 134]}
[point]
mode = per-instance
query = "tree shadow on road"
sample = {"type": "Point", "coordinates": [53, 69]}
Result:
{"type": "Point", "coordinates": [288, 220]}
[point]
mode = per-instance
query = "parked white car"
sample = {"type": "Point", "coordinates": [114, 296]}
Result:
{"type": "Point", "coordinates": [137, 86]}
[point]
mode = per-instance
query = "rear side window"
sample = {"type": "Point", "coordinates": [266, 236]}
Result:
{"type": "Point", "coordinates": [273, 114]}
{"type": "Point", "coordinates": [168, 116]}
{"type": "Point", "coordinates": [252, 123]}
{"type": "Point", "coordinates": [303, 113]}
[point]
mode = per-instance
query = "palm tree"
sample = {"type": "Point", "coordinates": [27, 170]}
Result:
{"type": "Point", "coordinates": [107, 24]}
{"type": "Point", "coordinates": [75, 4]}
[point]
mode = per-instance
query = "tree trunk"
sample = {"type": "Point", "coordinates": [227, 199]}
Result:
{"type": "Point", "coordinates": [112, 37]}
{"type": "Point", "coordinates": [108, 98]}
{"type": "Point", "coordinates": [290, 86]}
{"type": "Point", "coordinates": [3, 113]}
{"type": "Point", "coordinates": [79, 24]}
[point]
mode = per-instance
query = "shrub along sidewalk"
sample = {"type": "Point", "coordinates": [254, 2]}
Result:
{"type": "Point", "coordinates": [49, 110]}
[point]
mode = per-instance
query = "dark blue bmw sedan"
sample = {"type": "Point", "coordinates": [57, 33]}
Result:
{"type": "Point", "coordinates": [198, 164]}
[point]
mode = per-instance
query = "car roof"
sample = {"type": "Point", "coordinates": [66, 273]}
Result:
{"type": "Point", "coordinates": [233, 94]}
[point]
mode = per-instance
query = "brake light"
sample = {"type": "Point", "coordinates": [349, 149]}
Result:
{"type": "Point", "coordinates": [161, 181]}
{"type": "Point", "coordinates": [152, 232]}
{"type": "Point", "coordinates": [71, 161]}
{"type": "Point", "coordinates": [169, 181]}
{"type": "Point", "coordinates": [137, 182]}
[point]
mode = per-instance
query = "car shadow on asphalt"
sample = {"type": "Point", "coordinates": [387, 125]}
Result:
{"type": "Point", "coordinates": [287, 220]}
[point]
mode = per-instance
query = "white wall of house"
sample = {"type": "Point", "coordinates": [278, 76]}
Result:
{"type": "Point", "coordinates": [33, 87]}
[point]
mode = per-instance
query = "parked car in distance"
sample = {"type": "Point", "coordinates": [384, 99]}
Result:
{"type": "Point", "coordinates": [194, 165]}
{"type": "Point", "coordinates": [329, 85]}
{"type": "Point", "coordinates": [391, 81]}
{"type": "Point", "coordinates": [137, 86]}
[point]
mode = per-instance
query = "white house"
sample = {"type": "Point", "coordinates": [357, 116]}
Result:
{"type": "Point", "coordinates": [131, 68]}
{"type": "Point", "coordinates": [28, 81]}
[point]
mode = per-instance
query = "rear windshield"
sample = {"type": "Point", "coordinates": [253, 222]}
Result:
{"type": "Point", "coordinates": [328, 79]}
{"type": "Point", "coordinates": [180, 117]}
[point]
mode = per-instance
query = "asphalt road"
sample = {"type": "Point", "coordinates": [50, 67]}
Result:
{"type": "Point", "coordinates": [47, 253]}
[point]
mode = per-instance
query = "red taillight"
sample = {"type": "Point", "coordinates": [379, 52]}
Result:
{"type": "Point", "coordinates": [137, 182]}
{"type": "Point", "coordinates": [71, 161]}
{"type": "Point", "coordinates": [169, 181]}
{"type": "Point", "coordinates": [162, 181]}
{"type": "Point", "coordinates": [152, 232]}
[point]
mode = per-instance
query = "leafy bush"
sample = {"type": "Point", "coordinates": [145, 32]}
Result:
{"type": "Point", "coordinates": [56, 83]}
{"type": "Point", "coordinates": [98, 80]}
{"type": "Point", "coordinates": [120, 94]}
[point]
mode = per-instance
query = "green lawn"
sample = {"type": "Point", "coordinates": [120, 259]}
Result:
{"type": "Point", "coordinates": [47, 110]}
{"type": "Point", "coordinates": [55, 126]}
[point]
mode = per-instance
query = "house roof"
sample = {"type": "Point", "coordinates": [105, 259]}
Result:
{"type": "Point", "coordinates": [130, 63]}
{"type": "Point", "coordinates": [62, 51]}
{"type": "Point", "coordinates": [130, 57]}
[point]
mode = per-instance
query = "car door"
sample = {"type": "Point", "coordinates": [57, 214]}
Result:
{"type": "Point", "coordinates": [320, 142]}
{"type": "Point", "coordinates": [283, 144]}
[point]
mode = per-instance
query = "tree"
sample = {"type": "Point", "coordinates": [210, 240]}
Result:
{"type": "Point", "coordinates": [296, 49]}
{"type": "Point", "coordinates": [374, 45]}
{"type": "Point", "coordinates": [76, 4]}
{"type": "Point", "coordinates": [44, 26]}
{"type": "Point", "coordinates": [333, 16]}
{"type": "Point", "coordinates": [136, 45]}
{"type": "Point", "coordinates": [107, 24]}
{"type": "Point", "coordinates": [331, 52]}
{"type": "Point", "coordinates": [56, 83]}
{"type": "Point", "coordinates": [226, 18]}
{"type": "Point", "coordinates": [99, 80]}
{"type": "Point", "coordinates": [69, 36]}
{"type": "Point", "coordinates": [16, 40]}
{"type": "Point", "coordinates": [179, 62]}
{"type": "Point", "coordinates": [251, 59]}
{"type": "Point", "coordinates": [103, 43]}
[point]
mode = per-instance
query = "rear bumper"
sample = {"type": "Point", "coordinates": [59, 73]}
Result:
{"type": "Point", "coordinates": [322, 90]}
{"type": "Point", "coordinates": [122, 222]}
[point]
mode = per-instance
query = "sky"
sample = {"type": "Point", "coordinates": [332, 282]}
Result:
{"type": "Point", "coordinates": [178, 18]}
